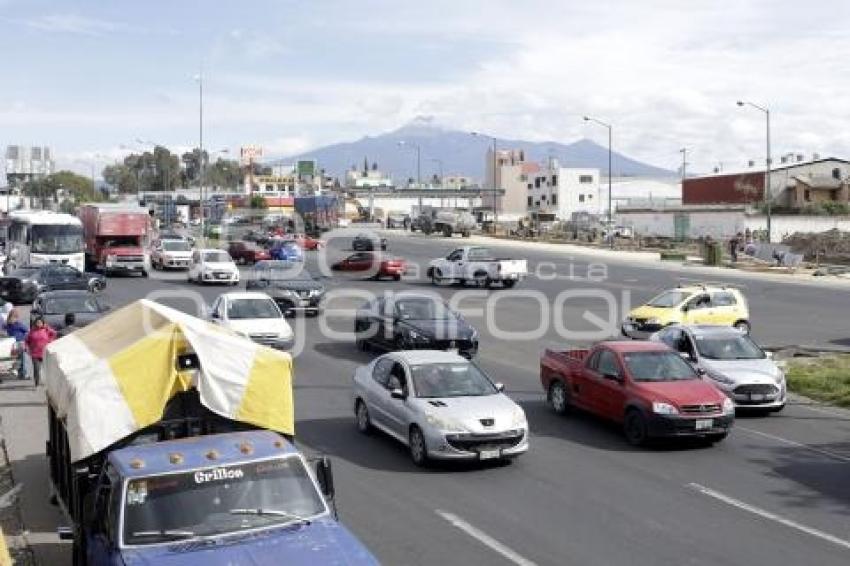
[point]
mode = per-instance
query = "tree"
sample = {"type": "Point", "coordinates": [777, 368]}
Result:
{"type": "Point", "coordinates": [257, 201]}
{"type": "Point", "coordinates": [192, 165]}
{"type": "Point", "coordinates": [78, 188]}
{"type": "Point", "coordinates": [122, 177]}
{"type": "Point", "coordinates": [224, 173]}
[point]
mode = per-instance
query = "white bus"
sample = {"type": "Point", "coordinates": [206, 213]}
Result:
{"type": "Point", "coordinates": [42, 237]}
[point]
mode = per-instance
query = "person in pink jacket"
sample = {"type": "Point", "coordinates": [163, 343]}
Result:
{"type": "Point", "coordinates": [39, 336]}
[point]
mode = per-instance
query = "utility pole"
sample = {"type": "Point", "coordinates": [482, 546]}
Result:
{"type": "Point", "coordinates": [494, 189]}
{"type": "Point", "coordinates": [684, 152]}
{"type": "Point", "coordinates": [768, 194]}
{"type": "Point", "coordinates": [201, 151]}
{"type": "Point", "coordinates": [610, 174]}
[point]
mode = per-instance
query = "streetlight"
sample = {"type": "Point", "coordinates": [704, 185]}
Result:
{"type": "Point", "coordinates": [610, 173]}
{"type": "Point", "coordinates": [495, 201]}
{"type": "Point", "coordinates": [768, 196]}
{"type": "Point", "coordinates": [439, 163]}
{"type": "Point", "coordinates": [200, 78]}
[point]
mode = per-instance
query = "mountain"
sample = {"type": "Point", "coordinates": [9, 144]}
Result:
{"type": "Point", "coordinates": [461, 153]}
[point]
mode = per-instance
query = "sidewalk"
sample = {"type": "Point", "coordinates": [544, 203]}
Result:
{"type": "Point", "coordinates": [647, 259]}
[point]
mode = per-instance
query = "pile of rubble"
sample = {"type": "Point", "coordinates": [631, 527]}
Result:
{"type": "Point", "coordinates": [823, 247]}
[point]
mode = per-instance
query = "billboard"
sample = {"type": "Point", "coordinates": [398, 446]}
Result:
{"type": "Point", "coordinates": [306, 168]}
{"type": "Point", "coordinates": [250, 153]}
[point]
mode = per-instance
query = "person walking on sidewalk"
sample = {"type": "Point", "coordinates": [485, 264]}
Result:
{"type": "Point", "coordinates": [17, 330]}
{"type": "Point", "coordinates": [39, 336]}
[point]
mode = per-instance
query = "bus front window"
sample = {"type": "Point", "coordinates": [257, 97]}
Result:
{"type": "Point", "coordinates": [57, 239]}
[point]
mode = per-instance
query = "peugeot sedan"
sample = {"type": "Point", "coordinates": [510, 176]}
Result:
{"type": "Point", "coordinates": [440, 405]}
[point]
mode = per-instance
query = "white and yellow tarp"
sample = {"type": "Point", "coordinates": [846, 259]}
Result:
{"type": "Point", "coordinates": [115, 376]}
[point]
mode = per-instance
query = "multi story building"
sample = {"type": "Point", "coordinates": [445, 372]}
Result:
{"type": "Point", "coordinates": [562, 191]}
{"type": "Point", "coordinates": [25, 163]}
{"type": "Point", "coordinates": [510, 172]}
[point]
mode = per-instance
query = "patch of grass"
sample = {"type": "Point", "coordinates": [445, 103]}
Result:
{"type": "Point", "coordinates": [825, 379]}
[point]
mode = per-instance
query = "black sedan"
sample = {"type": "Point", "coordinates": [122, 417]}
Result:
{"type": "Point", "coordinates": [368, 243]}
{"type": "Point", "coordinates": [291, 286]}
{"type": "Point", "coordinates": [25, 283]}
{"type": "Point", "coordinates": [409, 321]}
{"type": "Point", "coordinates": [52, 306]}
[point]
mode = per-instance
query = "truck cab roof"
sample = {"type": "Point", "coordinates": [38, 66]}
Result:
{"type": "Point", "coordinates": [199, 452]}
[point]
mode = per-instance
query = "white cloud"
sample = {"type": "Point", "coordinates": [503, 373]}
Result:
{"type": "Point", "coordinates": [72, 23]}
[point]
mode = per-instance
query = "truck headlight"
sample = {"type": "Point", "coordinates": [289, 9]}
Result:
{"type": "Point", "coordinates": [728, 406]}
{"type": "Point", "coordinates": [664, 409]}
{"type": "Point", "coordinates": [111, 257]}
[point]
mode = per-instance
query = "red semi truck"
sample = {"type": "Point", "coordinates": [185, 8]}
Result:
{"type": "Point", "coordinates": [115, 237]}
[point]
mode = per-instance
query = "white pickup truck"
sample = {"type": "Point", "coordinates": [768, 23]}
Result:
{"type": "Point", "coordinates": [476, 264]}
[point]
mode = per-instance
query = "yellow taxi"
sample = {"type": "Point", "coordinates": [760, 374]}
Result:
{"type": "Point", "coordinates": [695, 304]}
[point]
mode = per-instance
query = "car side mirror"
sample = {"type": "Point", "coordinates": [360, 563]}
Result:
{"type": "Point", "coordinates": [397, 394]}
{"type": "Point", "coordinates": [325, 477]}
{"type": "Point", "coordinates": [686, 308]}
{"type": "Point", "coordinates": [612, 377]}
{"type": "Point", "coordinates": [214, 315]}
{"type": "Point", "coordinates": [701, 371]}
{"type": "Point", "coordinates": [686, 356]}
{"type": "Point", "coordinates": [500, 387]}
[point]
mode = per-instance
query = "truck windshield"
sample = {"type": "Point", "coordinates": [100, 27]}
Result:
{"type": "Point", "coordinates": [219, 500]}
{"type": "Point", "coordinates": [728, 348]}
{"type": "Point", "coordinates": [658, 366]}
{"type": "Point", "coordinates": [669, 299]}
{"type": "Point", "coordinates": [57, 239]}
{"type": "Point", "coordinates": [121, 242]}
{"type": "Point", "coordinates": [451, 380]}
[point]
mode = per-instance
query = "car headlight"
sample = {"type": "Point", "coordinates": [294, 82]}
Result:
{"type": "Point", "coordinates": [444, 424]}
{"type": "Point", "coordinates": [728, 406]}
{"type": "Point", "coordinates": [518, 420]}
{"type": "Point", "coordinates": [111, 257]}
{"type": "Point", "coordinates": [664, 409]}
{"type": "Point", "coordinates": [720, 378]}
{"type": "Point", "coordinates": [780, 377]}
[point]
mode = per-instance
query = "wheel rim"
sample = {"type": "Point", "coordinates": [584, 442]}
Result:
{"type": "Point", "coordinates": [743, 327]}
{"type": "Point", "coordinates": [559, 398]}
{"type": "Point", "coordinates": [417, 446]}
{"type": "Point", "coordinates": [436, 276]}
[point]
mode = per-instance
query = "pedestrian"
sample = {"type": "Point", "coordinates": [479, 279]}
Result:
{"type": "Point", "coordinates": [39, 336]}
{"type": "Point", "coordinates": [16, 329]}
{"type": "Point", "coordinates": [733, 247]}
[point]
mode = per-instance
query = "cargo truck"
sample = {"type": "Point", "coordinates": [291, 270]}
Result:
{"type": "Point", "coordinates": [162, 452]}
{"type": "Point", "coordinates": [115, 237]}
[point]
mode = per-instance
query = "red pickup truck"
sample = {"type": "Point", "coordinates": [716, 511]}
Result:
{"type": "Point", "coordinates": [647, 387]}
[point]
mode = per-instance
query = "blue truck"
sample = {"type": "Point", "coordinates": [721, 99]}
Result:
{"type": "Point", "coordinates": [197, 488]}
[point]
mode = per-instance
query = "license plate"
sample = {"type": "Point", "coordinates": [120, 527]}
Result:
{"type": "Point", "coordinates": [757, 397]}
{"type": "Point", "coordinates": [222, 276]}
{"type": "Point", "coordinates": [488, 454]}
{"type": "Point", "coordinates": [704, 424]}
{"type": "Point", "coordinates": [304, 302]}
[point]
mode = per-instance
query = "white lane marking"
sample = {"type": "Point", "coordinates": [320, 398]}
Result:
{"type": "Point", "coordinates": [768, 515]}
{"type": "Point", "coordinates": [821, 451]}
{"type": "Point", "coordinates": [484, 538]}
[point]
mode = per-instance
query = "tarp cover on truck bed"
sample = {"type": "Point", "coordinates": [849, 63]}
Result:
{"type": "Point", "coordinates": [115, 376]}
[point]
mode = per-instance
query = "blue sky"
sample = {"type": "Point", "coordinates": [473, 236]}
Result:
{"type": "Point", "coordinates": [90, 77]}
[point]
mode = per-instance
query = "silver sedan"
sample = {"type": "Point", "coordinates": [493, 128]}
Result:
{"type": "Point", "coordinates": [440, 405]}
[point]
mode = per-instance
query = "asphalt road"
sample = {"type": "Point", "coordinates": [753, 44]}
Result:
{"type": "Point", "coordinates": [775, 492]}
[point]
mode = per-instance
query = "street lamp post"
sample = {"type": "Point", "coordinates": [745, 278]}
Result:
{"type": "Point", "coordinates": [200, 79]}
{"type": "Point", "coordinates": [610, 173]}
{"type": "Point", "coordinates": [495, 190]}
{"type": "Point", "coordinates": [768, 195]}
{"type": "Point", "coordinates": [439, 163]}
{"type": "Point", "coordinates": [418, 167]}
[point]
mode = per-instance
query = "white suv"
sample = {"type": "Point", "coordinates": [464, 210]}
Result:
{"type": "Point", "coordinates": [212, 266]}
{"type": "Point", "coordinates": [255, 316]}
{"type": "Point", "coordinates": [171, 254]}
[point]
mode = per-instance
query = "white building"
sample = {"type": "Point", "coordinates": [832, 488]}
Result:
{"type": "Point", "coordinates": [563, 191]}
{"type": "Point", "coordinates": [367, 177]}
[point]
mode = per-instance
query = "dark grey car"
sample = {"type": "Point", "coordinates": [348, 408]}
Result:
{"type": "Point", "coordinates": [291, 286]}
{"type": "Point", "coordinates": [54, 305]}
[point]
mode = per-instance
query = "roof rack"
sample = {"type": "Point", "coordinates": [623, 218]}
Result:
{"type": "Point", "coordinates": [686, 282]}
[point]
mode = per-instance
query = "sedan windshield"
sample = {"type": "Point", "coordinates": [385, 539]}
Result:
{"type": "Point", "coordinates": [669, 299]}
{"type": "Point", "coordinates": [658, 366]}
{"type": "Point", "coordinates": [422, 308]}
{"type": "Point", "coordinates": [451, 380]}
{"type": "Point", "coordinates": [217, 257]}
{"type": "Point", "coordinates": [78, 304]}
{"type": "Point", "coordinates": [252, 308]}
{"type": "Point", "coordinates": [219, 500]}
{"type": "Point", "coordinates": [729, 348]}
{"type": "Point", "coordinates": [57, 238]}
{"type": "Point", "coordinates": [176, 246]}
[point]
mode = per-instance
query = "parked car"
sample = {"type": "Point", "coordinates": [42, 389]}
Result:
{"type": "Point", "coordinates": [171, 254]}
{"type": "Point", "coordinates": [376, 265]}
{"type": "Point", "coordinates": [478, 265]}
{"type": "Point", "coordinates": [292, 287]}
{"type": "Point", "coordinates": [23, 284]}
{"type": "Point", "coordinates": [413, 321]}
{"type": "Point", "coordinates": [247, 252]}
{"type": "Point", "coordinates": [305, 242]}
{"type": "Point", "coordinates": [286, 250]}
{"type": "Point", "coordinates": [694, 304]}
{"type": "Point", "coordinates": [212, 266]}
{"type": "Point", "coordinates": [442, 406]}
{"type": "Point", "coordinates": [52, 306]}
{"type": "Point", "coordinates": [368, 243]}
{"type": "Point", "coordinates": [255, 316]}
{"type": "Point", "coordinates": [645, 386]}
{"type": "Point", "coordinates": [732, 362]}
